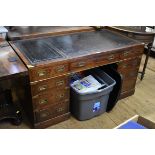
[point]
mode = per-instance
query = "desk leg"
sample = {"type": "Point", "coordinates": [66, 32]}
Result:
{"type": "Point", "coordinates": [146, 60]}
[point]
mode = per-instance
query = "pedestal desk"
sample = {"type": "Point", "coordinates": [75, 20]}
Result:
{"type": "Point", "coordinates": [51, 60]}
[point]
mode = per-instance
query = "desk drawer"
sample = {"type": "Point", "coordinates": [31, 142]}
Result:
{"type": "Point", "coordinates": [42, 73]}
{"type": "Point", "coordinates": [93, 61]}
{"type": "Point", "coordinates": [51, 112]}
{"type": "Point", "coordinates": [132, 52]}
{"type": "Point", "coordinates": [106, 59]}
{"type": "Point", "coordinates": [50, 98]}
{"type": "Point", "coordinates": [129, 64]}
{"type": "Point", "coordinates": [81, 64]}
{"type": "Point", "coordinates": [55, 83]}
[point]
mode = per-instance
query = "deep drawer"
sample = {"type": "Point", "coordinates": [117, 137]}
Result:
{"type": "Point", "coordinates": [55, 83]}
{"type": "Point", "coordinates": [50, 97]}
{"type": "Point", "coordinates": [52, 111]}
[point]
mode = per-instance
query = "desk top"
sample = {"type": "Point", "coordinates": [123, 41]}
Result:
{"type": "Point", "coordinates": [10, 64]}
{"type": "Point", "coordinates": [25, 32]}
{"type": "Point", "coordinates": [37, 51]}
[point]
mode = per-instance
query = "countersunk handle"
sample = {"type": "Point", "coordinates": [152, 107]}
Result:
{"type": "Point", "coordinates": [125, 66]}
{"type": "Point", "coordinates": [126, 53]}
{"type": "Point", "coordinates": [81, 64]}
{"type": "Point", "coordinates": [60, 109]}
{"type": "Point", "coordinates": [44, 114]}
{"type": "Point", "coordinates": [41, 88]}
{"type": "Point", "coordinates": [111, 57]}
{"type": "Point", "coordinates": [43, 101]}
{"type": "Point", "coordinates": [60, 83]}
{"type": "Point", "coordinates": [60, 96]}
{"type": "Point", "coordinates": [60, 68]}
{"type": "Point", "coordinates": [41, 73]}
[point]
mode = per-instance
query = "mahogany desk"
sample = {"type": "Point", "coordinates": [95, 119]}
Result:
{"type": "Point", "coordinates": [51, 60]}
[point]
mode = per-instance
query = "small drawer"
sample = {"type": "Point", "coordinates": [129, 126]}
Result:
{"type": "Point", "coordinates": [128, 84]}
{"type": "Point", "coordinates": [129, 64]}
{"type": "Point", "coordinates": [55, 83]}
{"type": "Point", "coordinates": [52, 111]}
{"type": "Point", "coordinates": [60, 69]}
{"type": "Point", "coordinates": [133, 52]}
{"type": "Point", "coordinates": [103, 59]}
{"type": "Point", "coordinates": [81, 64]}
{"type": "Point", "coordinates": [42, 73]}
{"type": "Point", "coordinates": [50, 98]}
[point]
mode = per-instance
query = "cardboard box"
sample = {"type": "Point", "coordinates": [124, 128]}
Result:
{"type": "Point", "coordinates": [149, 124]}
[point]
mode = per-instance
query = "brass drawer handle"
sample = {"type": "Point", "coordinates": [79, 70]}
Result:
{"type": "Point", "coordinates": [44, 114]}
{"type": "Point", "coordinates": [81, 64]}
{"type": "Point", "coordinates": [43, 101]}
{"type": "Point", "coordinates": [60, 96]}
{"type": "Point", "coordinates": [60, 68]}
{"type": "Point", "coordinates": [126, 53]}
{"type": "Point", "coordinates": [60, 83]}
{"type": "Point", "coordinates": [125, 66]}
{"type": "Point", "coordinates": [111, 57]}
{"type": "Point", "coordinates": [60, 109]}
{"type": "Point", "coordinates": [41, 88]}
{"type": "Point", "coordinates": [41, 73]}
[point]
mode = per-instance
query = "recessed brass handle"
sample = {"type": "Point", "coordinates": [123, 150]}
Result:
{"type": "Point", "coordinates": [125, 66]}
{"type": "Point", "coordinates": [60, 96]}
{"type": "Point", "coordinates": [60, 83]}
{"type": "Point", "coordinates": [60, 109]}
{"type": "Point", "coordinates": [44, 114]}
{"type": "Point", "coordinates": [111, 57]}
{"type": "Point", "coordinates": [41, 88]}
{"type": "Point", "coordinates": [43, 101]}
{"type": "Point", "coordinates": [126, 53]}
{"type": "Point", "coordinates": [41, 73]}
{"type": "Point", "coordinates": [81, 64]}
{"type": "Point", "coordinates": [60, 68]}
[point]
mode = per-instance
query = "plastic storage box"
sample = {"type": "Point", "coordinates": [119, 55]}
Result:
{"type": "Point", "coordinates": [88, 105]}
{"type": "Point", "coordinates": [3, 32]}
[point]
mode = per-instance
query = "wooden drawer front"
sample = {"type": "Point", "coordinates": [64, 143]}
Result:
{"type": "Point", "coordinates": [132, 52]}
{"type": "Point", "coordinates": [91, 62]}
{"type": "Point", "coordinates": [129, 64]}
{"type": "Point", "coordinates": [81, 64]}
{"type": "Point", "coordinates": [106, 59]}
{"type": "Point", "coordinates": [52, 111]}
{"type": "Point", "coordinates": [55, 83]}
{"type": "Point", "coordinates": [128, 84]}
{"type": "Point", "coordinates": [48, 72]}
{"type": "Point", "coordinates": [50, 98]}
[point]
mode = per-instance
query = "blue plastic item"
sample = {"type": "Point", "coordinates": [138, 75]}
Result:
{"type": "Point", "coordinates": [132, 125]}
